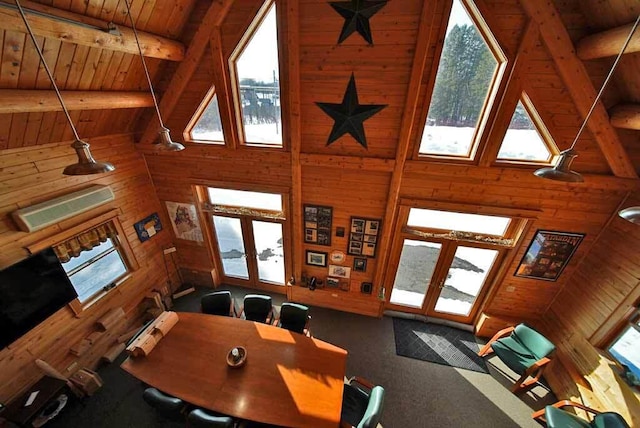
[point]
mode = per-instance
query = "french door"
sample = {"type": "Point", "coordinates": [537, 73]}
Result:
{"type": "Point", "coordinates": [251, 251]}
{"type": "Point", "coordinates": [442, 278]}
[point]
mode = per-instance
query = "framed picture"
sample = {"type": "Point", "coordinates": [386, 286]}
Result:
{"type": "Point", "coordinates": [316, 258]}
{"type": "Point", "coordinates": [359, 265]}
{"type": "Point", "coordinates": [337, 257]}
{"type": "Point", "coordinates": [363, 237]}
{"type": "Point", "coordinates": [184, 220]}
{"type": "Point", "coordinates": [148, 227]}
{"type": "Point", "coordinates": [317, 224]}
{"type": "Point", "coordinates": [366, 288]}
{"type": "Point", "coordinates": [548, 254]}
{"type": "Point", "coordinates": [333, 282]}
{"type": "Point", "coordinates": [339, 271]}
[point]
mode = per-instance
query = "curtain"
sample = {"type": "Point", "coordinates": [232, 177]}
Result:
{"type": "Point", "coordinates": [84, 241]}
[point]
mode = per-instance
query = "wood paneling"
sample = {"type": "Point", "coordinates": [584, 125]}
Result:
{"type": "Point", "coordinates": [33, 175]}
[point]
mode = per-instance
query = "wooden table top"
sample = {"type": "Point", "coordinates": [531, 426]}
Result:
{"type": "Point", "coordinates": [288, 380]}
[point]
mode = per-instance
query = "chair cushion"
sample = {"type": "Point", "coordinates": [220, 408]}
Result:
{"type": "Point", "coordinates": [166, 405]}
{"type": "Point", "coordinates": [257, 307]}
{"type": "Point", "coordinates": [514, 354]}
{"type": "Point", "coordinates": [373, 413]}
{"type": "Point", "coordinates": [609, 420]}
{"type": "Point", "coordinates": [199, 418]}
{"type": "Point", "coordinates": [217, 303]}
{"type": "Point", "coordinates": [536, 343]}
{"type": "Point", "coordinates": [558, 418]}
{"type": "Point", "coordinates": [354, 404]}
{"type": "Point", "coordinates": [293, 317]}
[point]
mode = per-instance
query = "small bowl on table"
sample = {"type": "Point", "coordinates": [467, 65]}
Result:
{"type": "Point", "coordinates": [239, 360]}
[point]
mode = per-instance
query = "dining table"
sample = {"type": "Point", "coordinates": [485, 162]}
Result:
{"type": "Point", "coordinates": [288, 379]}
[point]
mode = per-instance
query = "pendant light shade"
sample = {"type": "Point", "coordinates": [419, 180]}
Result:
{"type": "Point", "coordinates": [562, 169]}
{"type": "Point", "coordinates": [631, 214]}
{"type": "Point", "coordinates": [86, 163]}
{"type": "Point", "coordinates": [165, 144]}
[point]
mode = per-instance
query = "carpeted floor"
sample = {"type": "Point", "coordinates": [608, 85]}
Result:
{"type": "Point", "coordinates": [418, 393]}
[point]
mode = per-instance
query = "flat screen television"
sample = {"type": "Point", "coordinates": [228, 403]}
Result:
{"type": "Point", "coordinates": [30, 292]}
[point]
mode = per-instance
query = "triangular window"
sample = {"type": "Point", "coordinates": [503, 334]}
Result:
{"type": "Point", "coordinates": [206, 127]}
{"type": "Point", "coordinates": [527, 140]}
{"type": "Point", "coordinates": [255, 67]}
{"type": "Point", "coordinates": [465, 84]}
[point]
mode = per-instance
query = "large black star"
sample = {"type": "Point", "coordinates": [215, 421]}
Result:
{"type": "Point", "coordinates": [356, 14]}
{"type": "Point", "coordinates": [349, 116]}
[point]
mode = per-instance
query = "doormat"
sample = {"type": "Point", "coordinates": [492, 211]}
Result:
{"type": "Point", "coordinates": [437, 344]}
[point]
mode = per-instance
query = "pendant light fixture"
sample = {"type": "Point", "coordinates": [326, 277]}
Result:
{"type": "Point", "coordinates": [165, 143]}
{"type": "Point", "coordinates": [86, 163]}
{"type": "Point", "coordinates": [562, 169]}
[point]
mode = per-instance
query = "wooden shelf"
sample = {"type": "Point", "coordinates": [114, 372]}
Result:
{"type": "Point", "coordinates": [334, 298]}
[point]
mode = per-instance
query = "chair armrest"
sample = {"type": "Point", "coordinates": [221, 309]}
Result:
{"type": "Point", "coordinates": [273, 316]}
{"type": "Point", "coordinates": [538, 365]}
{"type": "Point", "coordinates": [486, 349]}
{"type": "Point", "coordinates": [241, 311]}
{"type": "Point", "coordinates": [564, 403]}
{"type": "Point", "coordinates": [232, 308]}
{"type": "Point", "coordinates": [361, 381]}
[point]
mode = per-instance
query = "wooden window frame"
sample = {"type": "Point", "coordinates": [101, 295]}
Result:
{"type": "Point", "coordinates": [186, 135]}
{"type": "Point", "coordinates": [481, 130]}
{"type": "Point", "coordinates": [235, 84]}
{"type": "Point", "coordinates": [630, 320]}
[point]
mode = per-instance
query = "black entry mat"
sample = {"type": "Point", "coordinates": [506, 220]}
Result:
{"type": "Point", "coordinates": [438, 344]}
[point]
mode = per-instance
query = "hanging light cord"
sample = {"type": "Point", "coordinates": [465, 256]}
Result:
{"type": "Point", "coordinates": [46, 67]}
{"type": "Point", "coordinates": [606, 81]}
{"type": "Point", "coordinates": [144, 64]}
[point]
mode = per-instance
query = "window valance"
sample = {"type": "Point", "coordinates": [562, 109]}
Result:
{"type": "Point", "coordinates": [85, 241]}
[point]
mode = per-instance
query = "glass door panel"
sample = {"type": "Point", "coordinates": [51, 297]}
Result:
{"type": "Point", "coordinates": [415, 271]}
{"type": "Point", "coordinates": [269, 251]}
{"type": "Point", "coordinates": [231, 246]}
{"type": "Point", "coordinates": [465, 278]}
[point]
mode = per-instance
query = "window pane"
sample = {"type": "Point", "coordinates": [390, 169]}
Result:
{"type": "Point", "coordinates": [625, 350]}
{"type": "Point", "coordinates": [209, 126]}
{"type": "Point", "coordinates": [463, 80]}
{"type": "Point", "coordinates": [87, 255]}
{"type": "Point", "coordinates": [269, 251]}
{"type": "Point", "coordinates": [231, 246]}
{"type": "Point", "coordinates": [522, 140]}
{"type": "Point", "coordinates": [258, 77]}
{"type": "Point", "coordinates": [242, 198]}
{"type": "Point", "coordinates": [475, 223]}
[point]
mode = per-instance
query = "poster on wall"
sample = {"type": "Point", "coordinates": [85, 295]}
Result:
{"type": "Point", "coordinates": [184, 220]}
{"type": "Point", "coordinates": [148, 227]}
{"type": "Point", "coordinates": [548, 254]}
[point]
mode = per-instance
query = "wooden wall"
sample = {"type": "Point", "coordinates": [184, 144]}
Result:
{"type": "Point", "coordinates": [34, 174]}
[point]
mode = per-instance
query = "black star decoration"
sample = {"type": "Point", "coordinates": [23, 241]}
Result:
{"type": "Point", "coordinates": [349, 116]}
{"type": "Point", "coordinates": [356, 14]}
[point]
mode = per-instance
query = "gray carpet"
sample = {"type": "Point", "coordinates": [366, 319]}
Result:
{"type": "Point", "coordinates": [438, 344]}
{"type": "Point", "coordinates": [419, 394]}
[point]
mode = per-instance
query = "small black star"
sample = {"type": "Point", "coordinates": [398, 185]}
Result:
{"type": "Point", "coordinates": [356, 14]}
{"type": "Point", "coordinates": [349, 116]}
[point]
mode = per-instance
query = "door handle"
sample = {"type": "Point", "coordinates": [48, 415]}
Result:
{"type": "Point", "coordinates": [441, 286]}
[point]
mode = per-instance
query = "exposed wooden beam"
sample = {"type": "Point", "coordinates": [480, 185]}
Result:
{"type": "Point", "coordinates": [626, 116]}
{"type": "Point", "coordinates": [578, 82]}
{"type": "Point", "coordinates": [56, 26]}
{"type": "Point", "coordinates": [608, 43]}
{"type": "Point", "coordinates": [27, 101]}
{"type": "Point", "coordinates": [212, 19]}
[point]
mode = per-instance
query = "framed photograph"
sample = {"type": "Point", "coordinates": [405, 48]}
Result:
{"type": "Point", "coordinates": [340, 232]}
{"type": "Point", "coordinates": [548, 254]}
{"type": "Point", "coordinates": [317, 224]}
{"type": "Point", "coordinates": [333, 282]}
{"type": "Point", "coordinates": [363, 237]}
{"type": "Point", "coordinates": [339, 271]}
{"type": "Point", "coordinates": [184, 220]}
{"type": "Point", "coordinates": [359, 265]}
{"type": "Point", "coordinates": [316, 258]}
{"type": "Point", "coordinates": [337, 257]}
{"type": "Point", "coordinates": [148, 227]}
{"type": "Point", "coordinates": [366, 288]}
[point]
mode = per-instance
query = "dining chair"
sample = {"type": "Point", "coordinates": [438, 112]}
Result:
{"type": "Point", "coordinates": [555, 417]}
{"type": "Point", "coordinates": [199, 418]}
{"type": "Point", "coordinates": [218, 303]}
{"type": "Point", "coordinates": [167, 406]}
{"type": "Point", "coordinates": [258, 307]}
{"type": "Point", "coordinates": [523, 350]}
{"type": "Point", "coordinates": [362, 404]}
{"type": "Point", "coordinates": [294, 317]}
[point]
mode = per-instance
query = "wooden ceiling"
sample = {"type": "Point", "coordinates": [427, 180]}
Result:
{"type": "Point", "coordinates": [79, 67]}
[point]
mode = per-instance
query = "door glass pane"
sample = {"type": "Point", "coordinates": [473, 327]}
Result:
{"type": "Point", "coordinates": [269, 251]}
{"type": "Point", "coordinates": [231, 246]}
{"type": "Point", "coordinates": [417, 263]}
{"type": "Point", "coordinates": [465, 279]}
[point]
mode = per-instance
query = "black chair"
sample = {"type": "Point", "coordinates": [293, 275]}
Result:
{"type": "Point", "coordinates": [362, 404]}
{"type": "Point", "coordinates": [294, 317]}
{"type": "Point", "coordinates": [166, 405]}
{"type": "Point", "coordinates": [218, 303]}
{"type": "Point", "coordinates": [258, 307]}
{"type": "Point", "coordinates": [199, 418]}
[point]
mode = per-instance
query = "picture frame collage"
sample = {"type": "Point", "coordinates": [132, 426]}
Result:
{"type": "Point", "coordinates": [317, 224]}
{"type": "Point", "coordinates": [363, 237]}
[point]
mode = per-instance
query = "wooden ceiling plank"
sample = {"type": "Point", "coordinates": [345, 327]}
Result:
{"type": "Point", "coordinates": [50, 50]}
{"type": "Point", "coordinates": [33, 127]}
{"type": "Point", "coordinates": [101, 70]}
{"type": "Point", "coordinates": [154, 46]}
{"type": "Point", "coordinates": [5, 128]}
{"type": "Point", "coordinates": [94, 7]}
{"type": "Point", "coordinates": [11, 59]}
{"type": "Point", "coordinates": [18, 128]}
{"type": "Point", "coordinates": [626, 116]}
{"type": "Point", "coordinates": [63, 64]}
{"type": "Point", "coordinates": [77, 65]}
{"type": "Point", "coordinates": [89, 69]}
{"type": "Point", "coordinates": [213, 18]}
{"type": "Point", "coordinates": [607, 43]}
{"type": "Point", "coordinates": [578, 82]}
{"type": "Point", "coordinates": [46, 126]}
{"type": "Point", "coordinates": [112, 69]}
{"type": "Point", "coordinates": [24, 100]}
{"type": "Point", "coordinates": [29, 65]}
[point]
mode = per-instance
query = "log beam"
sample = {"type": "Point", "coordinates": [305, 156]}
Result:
{"type": "Point", "coordinates": [626, 116]}
{"type": "Point", "coordinates": [577, 80]}
{"type": "Point", "coordinates": [608, 43]}
{"type": "Point", "coordinates": [91, 31]}
{"type": "Point", "coordinates": [27, 101]}
{"type": "Point", "coordinates": [212, 19]}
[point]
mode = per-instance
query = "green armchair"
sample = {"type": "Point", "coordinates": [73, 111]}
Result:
{"type": "Point", "coordinates": [555, 417]}
{"type": "Point", "coordinates": [523, 350]}
{"type": "Point", "coordinates": [362, 404]}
